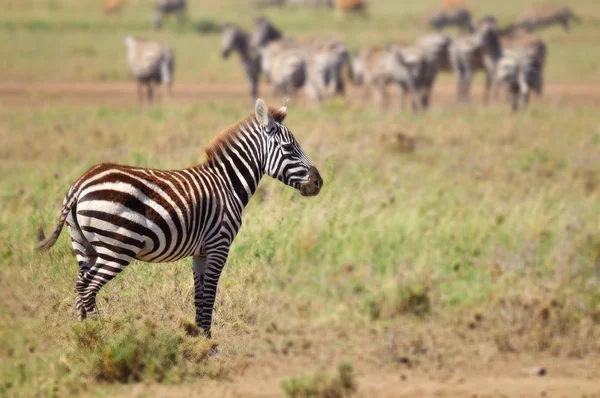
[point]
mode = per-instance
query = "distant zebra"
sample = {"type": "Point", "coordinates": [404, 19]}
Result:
{"type": "Point", "coordinates": [236, 39]}
{"type": "Point", "coordinates": [435, 49]}
{"type": "Point", "coordinates": [521, 70]}
{"type": "Point", "coordinates": [379, 67]}
{"type": "Point", "coordinates": [325, 59]}
{"type": "Point", "coordinates": [453, 16]}
{"type": "Point", "coordinates": [150, 62]}
{"type": "Point", "coordinates": [480, 50]}
{"type": "Point", "coordinates": [537, 18]}
{"type": "Point", "coordinates": [407, 66]}
{"type": "Point", "coordinates": [116, 214]}
{"type": "Point", "coordinates": [289, 70]}
{"type": "Point", "coordinates": [166, 7]}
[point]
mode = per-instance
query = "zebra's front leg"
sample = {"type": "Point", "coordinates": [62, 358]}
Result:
{"type": "Point", "coordinates": [488, 86]}
{"type": "Point", "coordinates": [215, 261]}
{"type": "Point", "coordinates": [199, 263]}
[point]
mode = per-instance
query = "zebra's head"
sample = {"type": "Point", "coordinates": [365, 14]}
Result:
{"type": "Point", "coordinates": [284, 158]}
{"type": "Point", "coordinates": [231, 39]}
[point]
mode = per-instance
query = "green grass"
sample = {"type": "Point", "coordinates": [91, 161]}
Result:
{"type": "Point", "coordinates": [486, 207]}
{"type": "Point", "coordinates": [491, 213]}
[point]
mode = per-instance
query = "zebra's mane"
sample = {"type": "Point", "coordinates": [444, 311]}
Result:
{"type": "Point", "coordinates": [231, 134]}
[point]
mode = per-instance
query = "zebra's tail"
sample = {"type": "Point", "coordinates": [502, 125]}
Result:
{"type": "Point", "coordinates": [45, 244]}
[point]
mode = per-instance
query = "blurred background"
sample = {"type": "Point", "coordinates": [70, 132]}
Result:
{"type": "Point", "coordinates": [454, 248]}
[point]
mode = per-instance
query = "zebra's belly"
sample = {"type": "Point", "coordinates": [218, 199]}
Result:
{"type": "Point", "coordinates": [158, 239]}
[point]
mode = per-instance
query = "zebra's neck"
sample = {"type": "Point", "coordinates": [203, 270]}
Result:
{"type": "Point", "coordinates": [239, 163]}
{"type": "Point", "coordinates": [244, 48]}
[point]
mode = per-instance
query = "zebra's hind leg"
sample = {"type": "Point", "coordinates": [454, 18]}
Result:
{"type": "Point", "coordinates": [86, 258]}
{"type": "Point", "coordinates": [107, 266]}
{"type": "Point", "coordinates": [199, 263]}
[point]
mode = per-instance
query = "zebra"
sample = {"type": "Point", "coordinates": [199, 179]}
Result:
{"type": "Point", "coordinates": [289, 70]}
{"type": "Point", "coordinates": [166, 7]}
{"type": "Point", "coordinates": [324, 62]}
{"type": "Point", "coordinates": [236, 39]}
{"type": "Point", "coordinates": [454, 16]}
{"type": "Point", "coordinates": [378, 67]}
{"type": "Point", "coordinates": [521, 70]}
{"type": "Point", "coordinates": [116, 214]}
{"type": "Point", "coordinates": [480, 50]}
{"type": "Point", "coordinates": [539, 18]}
{"type": "Point", "coordinates": [407, 67]}
{"type": "Point", "coordinates": [150, 62]}
{"type": "Point", "coordinates": [435, 48]}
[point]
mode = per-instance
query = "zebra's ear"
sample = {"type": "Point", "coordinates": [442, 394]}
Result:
{"type": "Point", "coordinates": [261, 111]}
{"type": "Point", "coordinates": [283, 109]}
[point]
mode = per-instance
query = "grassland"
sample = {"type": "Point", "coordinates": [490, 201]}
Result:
{"type": "Point", "coordinates": [463, 242]}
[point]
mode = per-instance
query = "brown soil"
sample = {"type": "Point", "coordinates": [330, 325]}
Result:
{"type": "Point", "coordinates": [123, 94]}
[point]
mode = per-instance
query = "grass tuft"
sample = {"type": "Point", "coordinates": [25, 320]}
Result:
{"type": "Point", "coordinates": [323, 385]}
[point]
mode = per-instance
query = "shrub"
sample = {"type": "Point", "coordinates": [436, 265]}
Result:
{"type": "Point", "coordinates": [322, 385]}
{"type": "Point", "coordinates": [137, 350]}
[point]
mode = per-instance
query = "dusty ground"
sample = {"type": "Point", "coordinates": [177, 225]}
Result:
{"type": "Point", "coordinates": [124, 94]}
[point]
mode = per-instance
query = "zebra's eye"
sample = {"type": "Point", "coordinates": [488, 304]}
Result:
{"type": "Point", "coordinates": [287, 147]}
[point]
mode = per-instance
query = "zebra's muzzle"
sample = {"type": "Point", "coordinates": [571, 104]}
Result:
{"type": "Point", "coordinates": [314, 184]}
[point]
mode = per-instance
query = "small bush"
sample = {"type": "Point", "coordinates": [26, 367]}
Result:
{"type": "Point", "coordinates": [138, 350]}
{"type": "Point", "coordinates": [321, 385]}
{"type": "Point", "coordinates": [402, 300]}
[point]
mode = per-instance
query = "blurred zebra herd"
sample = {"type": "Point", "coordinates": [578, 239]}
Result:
{"type": "Point", "coordinates": [512, 57]}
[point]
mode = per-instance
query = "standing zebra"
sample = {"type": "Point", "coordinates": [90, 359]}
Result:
{"type": "Point", "coordinates": [150, 62]}
{"type": "Point", "coordinates": [234, 38]}
{"type": "Point", "coordinates": [166, 7]}
{"type": "Point", "coordinates": [435, 49]}
{"type": "Point", "coordinates": [117, 214]}
{"type": "Point", "coordinates": [521, 70]}
{"type": "Point", "coordinates": [324, 60]}
{"type": "Point", "coordinates": [480, 50]}
{"type": "Point", "coordinates": [378, 67]}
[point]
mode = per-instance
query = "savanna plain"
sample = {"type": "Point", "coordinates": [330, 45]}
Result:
{"type": "Point", "coordinates": [450, 253]}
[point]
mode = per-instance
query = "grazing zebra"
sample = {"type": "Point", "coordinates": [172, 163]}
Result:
{"type": "Point", "coordinates": [150, 62]}
{"type": "Point", "coordinates": [521, 70]}
{"type": "Point", "coordinates": [480, 50]}
{"type": "Point", "coordinates": [234, 38]}
{"type": "Point", "coordinates": [116, 214]}
{"type": "Point", "coordinates": [165, 7]}
{"type": "Point", "coordinates": [535, 19]}
{"type": "Point", "coordinates": [378, 67]}
{"type": "Point", "coordinates": [454, 16]}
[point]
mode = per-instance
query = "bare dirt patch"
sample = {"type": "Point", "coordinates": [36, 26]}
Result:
{"type": "Point", "coordinates": [123, 94]}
